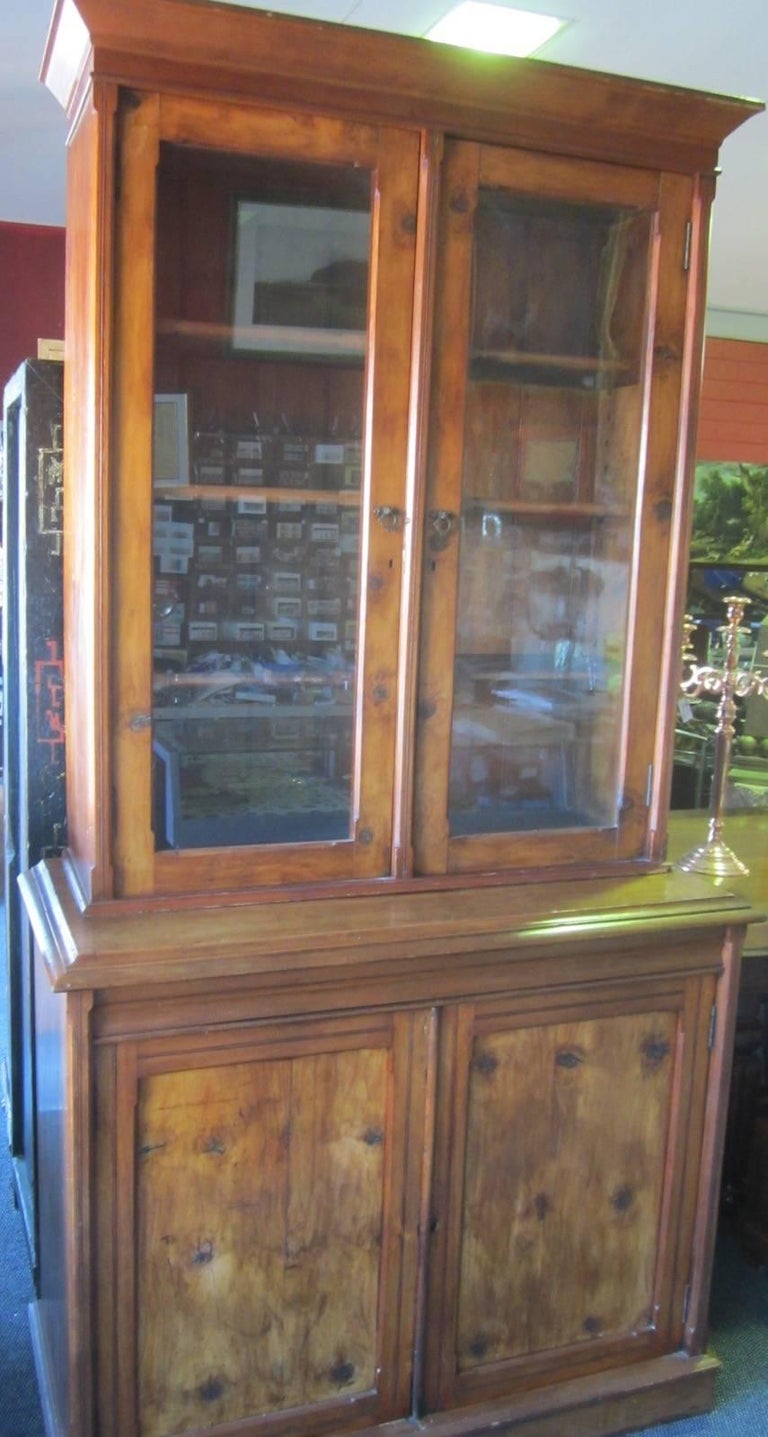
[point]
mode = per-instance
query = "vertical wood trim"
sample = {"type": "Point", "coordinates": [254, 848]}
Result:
{"type": "Point", "coordinates": [713, 1142]}
{"type": "Point", "coordinates": [671, 665]}
{"type": "Point", "coordinates": [669, 1283]}
{"type": "Point", "coordinates": [413, 1036]}
{"type": "Point", "coordinates": [105, 1227]}
{"type": "Point", "coordinates": [125, 1325]}
{"type": "Point", "coordinates": [78, 1207]}
{"type": "Point", "coordinates": [88, 346]}
{"type": "Point", "coordinates": [421, 364]}
{"type": "Point", "coordinates": [444, 491]}
{"type": "Point", "coordinates": [424, 1098]}
{"type": "Point", "coordinates": [663, 474]}
{"type": "Point", "coordinates": [131, 629]}
{"type": "Point", "coordinates": [388, 385]}
{"type": "Point", "coordinates": [447, 1205]}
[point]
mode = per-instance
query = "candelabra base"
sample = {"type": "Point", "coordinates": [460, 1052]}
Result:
{"type": "Point", "coordinates": [713, 858]}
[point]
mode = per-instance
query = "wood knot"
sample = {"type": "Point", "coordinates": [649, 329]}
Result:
{"type": "Point", "coordinates": [203, 1255]}
{"type": "Point", "coordinates": [541, 1205]}
{"type": "Point", "coordinates": [663, 510]}
{"type": "Point", "coordinates": [409, 223]}
{"type": "Point", "coordinates": [569, 1058]}
{"type": "Point", "coordinates": [623, 1198]}
{"type": "Point", "coordinates": [342, 1373]}
{"type": "Point", "coordinates": [655, 1050]}
{"type": "Point", "coordinates": [486, 1063]}
{"type": "Point", "coordinates": [479, 1345]}
{"type": "Point", "coordinates": [592, 1325]}
{"type": "Point", "coordinates": [459, 202]}
{"type": "Point", "coordinates": [211, 1390]}
{"type": "Point", "coordinates": [374, 1137]}
{"type": "Point", "coordinates": [215, 1147]}
{"type": "Point", "coordinates": [148, 1148]}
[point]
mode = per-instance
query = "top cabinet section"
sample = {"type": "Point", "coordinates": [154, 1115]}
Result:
{"type": "Point", "coordinates": [378, 366]}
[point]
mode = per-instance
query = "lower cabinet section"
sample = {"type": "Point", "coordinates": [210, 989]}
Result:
{"type": "Point", "coordinates": [474, 1195]}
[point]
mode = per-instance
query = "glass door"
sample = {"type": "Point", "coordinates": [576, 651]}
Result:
{"type": "Point", "coordinates": [279, 366]}
{"type": "Point", "coordinates": [536, 493]}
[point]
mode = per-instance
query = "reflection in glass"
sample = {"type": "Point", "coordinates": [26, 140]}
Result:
{"type": "Point", "coordinates": [549, 477]}
{"type": "Point", "coordinates": [697, 717]}
{"type": "Point", "coordinates": [256, 558]}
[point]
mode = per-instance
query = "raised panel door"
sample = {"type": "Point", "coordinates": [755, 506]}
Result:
{"type": "Point", "coordinates": [274, 1211]}
{"type": "Point", "coordinates": [556, 1210]}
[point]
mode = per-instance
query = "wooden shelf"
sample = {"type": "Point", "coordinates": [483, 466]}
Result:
{"type": "Point", "coordinates": [273, 679]}
{"type": "Point", "coordinates": [575, 363]}
{"type": "Point", "coordinates": [525, 509]}
{"type": "Point", "coordinates": [349, 498]}
{"type": "Point", "coordinates": [244, 709]}
{"type": "Point", "coordinates": [291, 341]}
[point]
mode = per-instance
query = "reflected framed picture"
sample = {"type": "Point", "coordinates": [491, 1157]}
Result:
{"type": "Point", "coordinates": [301, 279]}
{"type": "Point", "coordinates": [730, 514]}
{"type": "Point", "coordinates": [170, 440]}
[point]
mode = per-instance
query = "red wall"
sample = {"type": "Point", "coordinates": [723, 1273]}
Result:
{"type": "Point", "coordinates": [733, 417]}
{"type": "Point", "coordinates": [31, 292]}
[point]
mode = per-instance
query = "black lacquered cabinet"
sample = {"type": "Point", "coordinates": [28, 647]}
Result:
{"type": "Point", "coordinates": [33, 741]}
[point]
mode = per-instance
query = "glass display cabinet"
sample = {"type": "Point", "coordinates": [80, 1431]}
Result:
{"type": "Point", "coordinates": [385, 1058]}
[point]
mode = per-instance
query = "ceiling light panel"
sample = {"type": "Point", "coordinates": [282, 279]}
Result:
{"type": "Point", "coordinates": [495, 28]}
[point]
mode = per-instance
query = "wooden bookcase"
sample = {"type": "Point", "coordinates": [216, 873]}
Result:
{"type": "Point", "coordinates": [381, 1073]}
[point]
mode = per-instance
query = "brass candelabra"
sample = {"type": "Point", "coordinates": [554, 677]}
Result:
{"type": "Point", "coordinates": [728, 682]}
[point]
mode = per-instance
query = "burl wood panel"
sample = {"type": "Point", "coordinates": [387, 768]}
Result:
{"type": "Point", "coordinates": [260, 1200]}
{"type": "Point", "coordinates": [564, 1167]}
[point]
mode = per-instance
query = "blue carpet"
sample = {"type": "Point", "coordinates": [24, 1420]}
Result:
{"type": "Point", "coordinates": [739, 1337]}
{"type": "Point", "coordinates": [20, 1413]}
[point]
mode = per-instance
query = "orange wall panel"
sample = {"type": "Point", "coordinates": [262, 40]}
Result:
{"type": "Point", "coordinates": [733, 414]}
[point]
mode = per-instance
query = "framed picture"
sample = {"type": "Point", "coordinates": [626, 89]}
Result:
{"type": "Point", "coordinates": [301, 279]}
{"type": "Point", "coordinates": [170, 440]}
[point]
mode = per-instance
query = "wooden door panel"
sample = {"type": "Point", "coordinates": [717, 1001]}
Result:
{"type": "Point", "coordinates": [559, 1238]}
{"type": "Point", "coordinates": [260, 1198]}
{"type": "Point", "coordinates": [563, 1173]}
{"type": "Point", "coordinates": [277, 1192]}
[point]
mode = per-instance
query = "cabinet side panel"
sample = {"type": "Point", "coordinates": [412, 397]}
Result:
{"type": "Point", "coordinates": [260, 1196]}
{"type": "Point", "coordinates": [664, 480]}
{"type": "Point", "coordinates": [62, 1319]}
{"type": "Point", "coordinates": [88, 306]}
{"type": "Point", "coordinates": [50, 1022]}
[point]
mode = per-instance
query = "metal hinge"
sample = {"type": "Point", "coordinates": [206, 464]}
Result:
{"type": "Point", "coordinates": [687, 246]}
{"type": "Point", "coordinates": [686, 1302]}
{"type": "Point", "coordinates": [712, 1028]}
{"type": "Point", "coordinates": [649, 786]}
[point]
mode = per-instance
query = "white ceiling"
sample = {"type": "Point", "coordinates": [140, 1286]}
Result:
{"type": "Point", "coordinates": [704, 44]}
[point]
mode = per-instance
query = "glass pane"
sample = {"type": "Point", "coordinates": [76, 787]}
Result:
{"type": "Point", "coordinates": [550, 470]}
{"type": "Point", "coordinates": [259, 362]}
